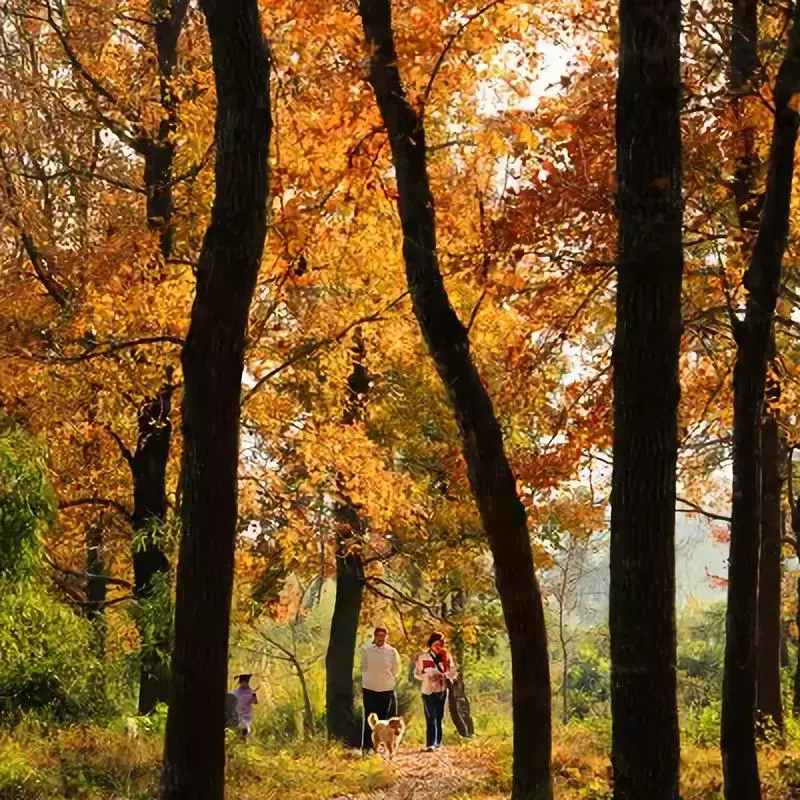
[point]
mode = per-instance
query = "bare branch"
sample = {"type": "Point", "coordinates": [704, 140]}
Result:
{"type": "Point", "coordinates": [97, 501]}
{"type": "Point", "coordinates": [693, 508]}
{"type": "Point", "coordinates": [312, 347]}
{"type": "Point", "coordinates": [89, 576]}
{"type": "Point", "coordinates": [450, 42]}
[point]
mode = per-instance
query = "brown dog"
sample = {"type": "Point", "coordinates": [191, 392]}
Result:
{"type": "Point", "coordinates": [386, 733]}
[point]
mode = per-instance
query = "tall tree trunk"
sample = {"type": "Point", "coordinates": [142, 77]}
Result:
{"type": "Point", "coordinates": [458, 702]}
{"type": "Point", "coordinates": [213, 358]}
{"type": "Point", "coordinates": [490, 475]}
{"type": "Point", "coordinates": [768, 688]}
{"type": "Point", "coordinates": [341, 718]}
{"type": "Point", "coordinates": [96, 587]}
{"type": "Point", "coordinates": [762, 282]}
{"type": "Point", "coordinates": [150, 563]}
{"type": "Point", "coordinates": [149, 463]}
{"type": "Point", "coordinates": [645, 740]}
{"type": "Point", "coordinates": [795, 512]}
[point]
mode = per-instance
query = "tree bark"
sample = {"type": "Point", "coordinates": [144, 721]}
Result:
{"type": "Point", "coordinates": [168, 18]}
{"type": "Point", "coordinates": [341, 718]}
{"type": "Point", "coordinates": [645, 751]}
{"type": "Point", "coordinates": [645, 741]}
{"type": "Point", "coordinates": [213, 357]}
{"type": "Point", "coordinates": [490, 475]}
{"type": "Point", "coordinates": [458, 701]}
{"type": "Point", "coordinates": [150, 563]}
{"type": "Point", "coordinates": [762, 282]}
{"type": "Point", "coordinates": [768, 688]}
{"type": "Point", "coordinates": [149, 464]}
{"type": "Point", "coordinates": [96, 587]}
{"type": "Point", "coordinates": [308, 710]}
{"type": "Point", "coordinates": [795, 512]}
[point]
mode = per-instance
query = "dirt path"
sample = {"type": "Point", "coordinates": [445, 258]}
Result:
{"type": "Point", "coordinates": [449, 773]}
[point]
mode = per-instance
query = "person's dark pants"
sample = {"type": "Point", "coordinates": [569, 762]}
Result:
{"type": "Point", "coordinates": [384, 704]}
{"type": "Point", "coordinates": [434, 705]}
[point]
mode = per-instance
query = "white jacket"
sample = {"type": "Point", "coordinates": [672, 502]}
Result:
{"type": "Point", "coordinates": [380, 667]}
{"type": "Point", "coordinates": [433, 680]}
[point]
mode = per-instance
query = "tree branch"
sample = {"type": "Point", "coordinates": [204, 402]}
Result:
{"type": "Point", "coordinates": [693, 508]}
{"type": "Point", "coordinates": [306, 350]}
{"type": "Point", "coordinates": [99, 501]}
{"type": "Point", "coordinates": [90, 576]}
{"type": "Point", "coordinates": [450, 42]}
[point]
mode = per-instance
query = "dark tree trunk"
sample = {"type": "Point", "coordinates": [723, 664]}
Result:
{"type": "Point", "coordinates": [458, 701]}
{"type": "Point", "coordinates": [762, 282]}
{"type": "Point", "coordinates": [784, 646]}
{"type": "Point", "coordinates": [768, 688]}
{"type": "Point", "coordinates": [490, 475]}
{"type": "Point", "coordinates": [342, 720]}
{"type": "Point", "coordinates": [96, 587]}
{"type": "Point", "coordinates": [796, 686]}
{"type": "Point", "coordinates": [213, 357]}
{"type": "Point", "coordinates": [149, 464]}
{"type": "Point", "coordinates": [645, 744]}
{"type": "Point", "coordinates": [150, 563]}
{"type": "Point", "coordinates": [159, 154]}
{"type": "Point", "coordinates": [341, 717]}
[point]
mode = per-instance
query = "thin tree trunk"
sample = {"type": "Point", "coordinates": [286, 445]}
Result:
{"type": "Point", "coordinates": [645, 751]}
{"type": "Point", "coordinates": [768, 689]}
{"type": "Point", "coordinates": [213, 358]}
{"type": "Point", "coordinates": [564, 671]}
{"type": "Point", "coordinates": [490, 475]}
{"type": "Point", "coordinates": [341, 718]}
{"type": "Point", "coordinates": [762, 281]}
{"type": "Point", "coordinates": [149, 464]}
{"type": "Point", "coordinates": [308, 710]}
{"type": "Point", "coordinates": [96, 587]}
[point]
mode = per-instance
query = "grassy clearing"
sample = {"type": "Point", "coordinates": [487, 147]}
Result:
{"type": "Point", "coordinates": [92, 763]}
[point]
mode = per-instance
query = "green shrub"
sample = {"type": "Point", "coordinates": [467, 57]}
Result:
{"type": "Point", "coordinates": [27, 505]}
{"type": "Point", "coordinates": [702, 725]}
{"type": "Point", "coordinates": [47, 663]}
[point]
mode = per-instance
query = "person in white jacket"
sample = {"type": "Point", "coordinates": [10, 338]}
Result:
{"type": "Point", "coordinates": [435, 669]}
{"type": "Point", "coordinates": [380, 667]}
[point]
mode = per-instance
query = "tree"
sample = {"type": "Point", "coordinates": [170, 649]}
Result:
{"type": "Point", "coordinates": [149, 461]}
{"type": "Point", "coordinates": [490, 475]}
{"type": "Point", "coordinates": [645, 746]}
{"type": "Point", "coordinates": [753, 335]}
{"type": "Point", "coordinates": [768, 625]}
{"type": "Point", "coordinates": [340, 715]}
{"type": "Point", "coordinates": [194, 752]}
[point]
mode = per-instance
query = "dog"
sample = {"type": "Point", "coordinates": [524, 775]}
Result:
{"type": "Point", "coordinates": [386, 733]}
{"type": "Point", "coordinates": [131, 728]}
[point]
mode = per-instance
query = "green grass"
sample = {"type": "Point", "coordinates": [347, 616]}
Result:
{"type": "Point", "coordinates": [93, 763]}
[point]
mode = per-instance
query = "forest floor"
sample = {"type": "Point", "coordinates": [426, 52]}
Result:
{"type": "Point", "coordinates": [101, 763]}
{"type": "Point", "coordinates": [451, 772]}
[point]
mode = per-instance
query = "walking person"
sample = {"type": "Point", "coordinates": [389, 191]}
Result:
{"type": "Point", "coordinates": [380, 666]}
{"type": "Point", "coordinates": [246, 698]}
{"type": "Point", "coordinates": [435, 668]}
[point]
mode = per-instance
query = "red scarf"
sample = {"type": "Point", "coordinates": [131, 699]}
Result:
{"type": "Point", "coordinates": [443, 659]}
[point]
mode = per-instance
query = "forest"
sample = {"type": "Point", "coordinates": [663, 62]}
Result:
{"type": "Point", "coordinates": [473, 319]}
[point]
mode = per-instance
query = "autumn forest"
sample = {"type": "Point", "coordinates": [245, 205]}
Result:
{"type": "Point", "coordinates": [481, 319]}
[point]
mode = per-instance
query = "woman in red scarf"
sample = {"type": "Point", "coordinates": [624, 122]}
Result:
{"type": "Point", "coordinates": [435, 669]}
